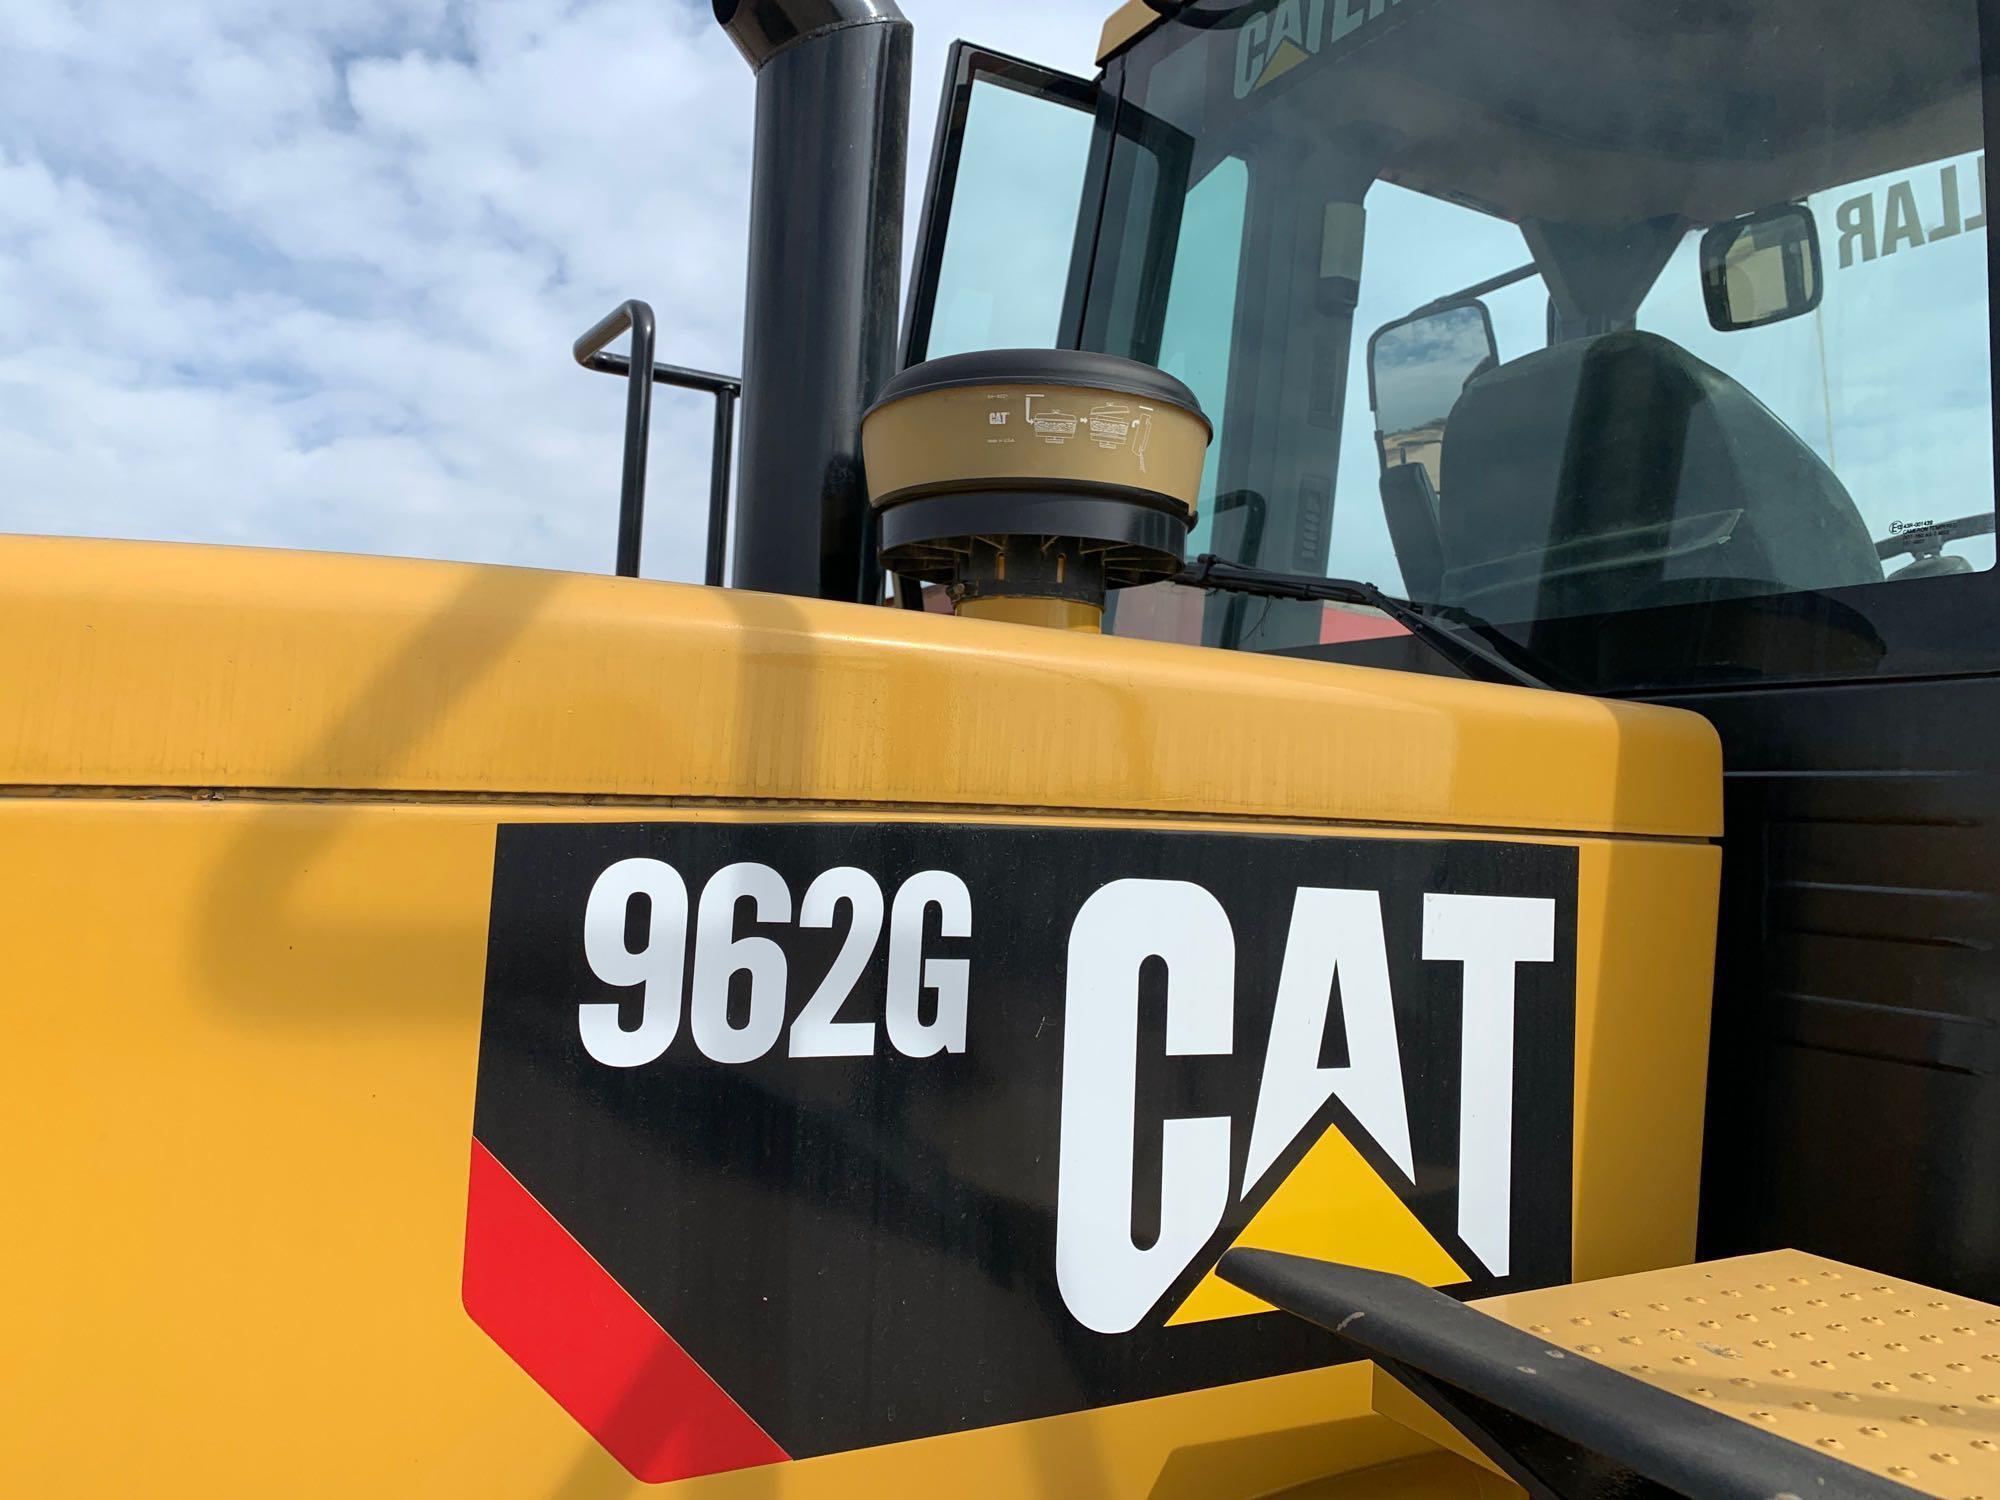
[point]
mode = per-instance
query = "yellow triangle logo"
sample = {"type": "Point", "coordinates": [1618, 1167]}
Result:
{"type": "Point", "coordinates": [1333, 1206]}
{"type": "Point", "coordinates": [1286, 56]}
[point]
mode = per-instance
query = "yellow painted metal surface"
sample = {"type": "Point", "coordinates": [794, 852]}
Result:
{"type": "Point", "coordinates": [1431, 1476]}
{"type": "Point", "coordinates": [1395, 1400]}
{"type": "Point", "coordinates": [247, 812]}
{"type": "Point", "coordinates": [1893, 1377]}
{"type": "Point", "coordinates": [1335, 1207]}
{"type": "Point", "coordinates": [238, 1080]}
{"type": "Point", "coordinates": [1044, 614]}
{"type": "Point", "coordinates": [1124, 26]}
{"type": "Point", "coordinates": [136, 665]}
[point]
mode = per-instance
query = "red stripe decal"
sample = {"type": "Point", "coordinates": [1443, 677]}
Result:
{"type": "Point", "coordinates": [540, 1296]}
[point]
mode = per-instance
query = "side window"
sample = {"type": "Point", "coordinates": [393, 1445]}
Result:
{"type": "Point", "coordinates": [1889, 379]}
{"type": "Point", "coordinates": [1419, 250]}
{"type": "Point", "coordinates": [1197, 332]}
{"type": "Point", "coordinates": [1000, 217]}
{"type": "Point", "coordinates": [1201, 316]}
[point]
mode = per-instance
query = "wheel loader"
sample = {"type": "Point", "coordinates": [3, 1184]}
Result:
{"type": "Point", "coordinates": [1335, 839]}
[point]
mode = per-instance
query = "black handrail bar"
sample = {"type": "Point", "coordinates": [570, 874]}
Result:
{"type": "Point", "coordinates": [636, 317]}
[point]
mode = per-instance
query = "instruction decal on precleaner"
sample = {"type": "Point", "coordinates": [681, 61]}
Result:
{"type": "Point", "coordinates": [775, 1122]}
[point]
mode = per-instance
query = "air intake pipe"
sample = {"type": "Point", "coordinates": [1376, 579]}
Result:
{"type": "Point", "coordinates": [825, 280]}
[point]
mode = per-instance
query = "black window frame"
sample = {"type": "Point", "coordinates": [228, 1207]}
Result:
{"type": "Point", "coordinates": [966, 66]}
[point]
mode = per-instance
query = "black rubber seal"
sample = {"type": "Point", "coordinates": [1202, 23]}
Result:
{"type": "Point", "coordinates": [1077, 367]}
{"type": "Point", "coordinates": [1151, 540]}
{"type": "Point", "coordinates": [1006, 490]}
{"type": "Point", "coordinates": [1026, 567]}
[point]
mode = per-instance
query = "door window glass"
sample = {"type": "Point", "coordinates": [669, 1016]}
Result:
{"type": "Point", "coordinates": [1201, 310]}
{"type": "Point", "coordinates": [1195, 340]}
{"type": "Point", "coordinates": [1007, 247]}
{"type": "Point", "coordinates": [1889, 380]}
{"type": "Point", "coordinates": [1655, 170]}
{"type": "Point", "coordinates": [1000, 218]}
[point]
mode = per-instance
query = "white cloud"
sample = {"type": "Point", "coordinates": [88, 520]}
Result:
{"type": "Point", "coordinates": [308, 275]}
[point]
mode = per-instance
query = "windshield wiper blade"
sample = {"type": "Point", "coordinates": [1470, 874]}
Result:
{"type": "Point", "coordinates": [1450, 638]}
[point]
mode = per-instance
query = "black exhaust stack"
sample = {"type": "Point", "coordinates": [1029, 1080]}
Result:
{"type": "Point", "coordinates": [826, 244]}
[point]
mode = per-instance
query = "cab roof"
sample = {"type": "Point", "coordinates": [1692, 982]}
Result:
{"type": "Point", "coordinates": [1125, 26]}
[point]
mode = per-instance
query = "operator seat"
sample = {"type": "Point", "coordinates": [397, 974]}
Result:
{"type": "Point", "coordinates": [1616, 472]}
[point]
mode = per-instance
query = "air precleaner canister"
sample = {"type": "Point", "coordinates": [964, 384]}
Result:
{"type": "Point", "coordinates": [1029, 481]}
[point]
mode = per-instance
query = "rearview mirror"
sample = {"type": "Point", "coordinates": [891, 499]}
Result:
{"type": "Point", "coordinates": [1761, 268]}
{"type": "Point", "coordinates": [1417, 367]}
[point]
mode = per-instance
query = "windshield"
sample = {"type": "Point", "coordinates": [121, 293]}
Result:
{"type": "Point", "coordinates": [1556, 313]}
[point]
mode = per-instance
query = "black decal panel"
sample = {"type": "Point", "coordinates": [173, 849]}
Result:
{"type": "Point", "coordinates": [861, 1249]}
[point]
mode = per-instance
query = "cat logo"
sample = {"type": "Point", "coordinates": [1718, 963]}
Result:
{"type": "Point", "coordinates": [1273, 42]}
{"type": "Point", "coordinates": [873, 1093]}
{"type": "Point", "coordinates": [1334, 948]}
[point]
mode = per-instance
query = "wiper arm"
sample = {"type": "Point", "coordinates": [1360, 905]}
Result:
{"type": "Point", "coordinates": [1450, 639]}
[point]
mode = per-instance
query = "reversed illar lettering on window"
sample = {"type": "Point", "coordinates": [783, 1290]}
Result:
{"type": "Point", "coordinates": [1891, 219]}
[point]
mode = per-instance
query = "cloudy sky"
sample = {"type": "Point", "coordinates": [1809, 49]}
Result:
{"type": "Point", "coordinates": [307, 275]}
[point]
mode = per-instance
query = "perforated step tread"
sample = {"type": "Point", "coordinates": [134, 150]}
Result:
{"type": "Point", "coordinates": [1884, 1374]}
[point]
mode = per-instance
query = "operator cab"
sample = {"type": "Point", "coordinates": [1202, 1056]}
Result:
{"type": "Point", "coordinates": [1637, 333]}
{"type": "Point", "coordinates": [1646, 342]}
